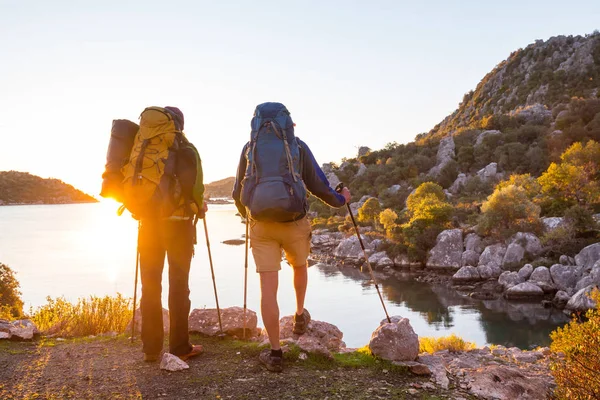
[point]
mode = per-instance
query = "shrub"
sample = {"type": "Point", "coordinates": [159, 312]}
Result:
{"type": "Point", "coordinates": [87, 317]}
{"type": "Point", "coordinates": [369, 212]}
{"type": "Point", "coordinates": [451, 343]}
{"type": "Point", "coordinates": [577, 375]}
{"type": "Point", "coordinates": [11, 305]}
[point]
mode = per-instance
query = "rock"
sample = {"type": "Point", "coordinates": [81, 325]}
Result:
{"type": "Point", "coordinates": [380, 260]}
{"type": "Point", "coordinates": [395, 341]}
{"type": "Point", "coordinates": [444, 155]}
{"type": "Point", "coordinates": [473, 243]}
{"type": "Point", "coordinates": [466, 274]}
{"type": "Point", "coordinates": [489, 271]}
{"type": "Point", "coordinates": [206, 321]}
{"type": "Point", "coordinates": [363, 151]}
{"type": "Point", "coordinates": [561, 299]}
{"type": "Point", "coordinates": [447, 253]}
{"type": "Point", "coordinates": [401, 260]}
{"type": "Point", "coordinates": [489, 172]}
{"type": "Point", "coordinates": [437, 368]}
{"type": "Point", "coordinates": [564, 276]}
{"type": "Point", "coordinates": [321, 337]}
{"type": "Point", "coordinates": [172, 363]}
{"type": "Point", "coordinates": [458, 184]}
{"type": "Point", "coordinates": [507, 382]}
{"type": "Point", "coordinates": [4, 335]}
{"type": "Point", "coordinates": [541, 277]}
{"type": "Point", "coordinates": [393, 189]}
{"type": "Point", "coordinates": [23, 329]}
{"type": "Point", "coordinates": [551, 223]}
{"type": "Point", "coordinates": [581, 300]}
{"type": "Point", "coordinates": [509, 279]}
{"type": "Point", "coordinates": [138, 322]}
{"type": "Point", "coordinates": [323, 240]}
{"type": "Point", "coordinates": [588, 256]}
{"type": "Point", "coordinates": [493, 255]}
{"type": "Point", "coordinates": [525, 290]}
{"type": "Point", "coordinates": [535, 114]}
{"type": "Point", "coordinates": [470, 257]}
{"type": "Point", "coordinates": [584, 282]}
{"type": "Point", "coordinates": [530, 242]}
{"type": "Point", "coordinates": [350, 248]}
{"type": "Point", "coordinates": [333, 179]}
{"type": "Point", "coordinates": [513, 256]}
{"type": "Point", "coordinates": [362, 168]}
{"type": "Point", "coordinates": [327, 168]}
{"type": "Point", "coordinates": [525, 272]}
{"type": "Point", "coordinates": [484, 134]}
{"type": "Point", "coordinates": [414, 367]}
{"type": "Point", "coordinates": [564, 260]}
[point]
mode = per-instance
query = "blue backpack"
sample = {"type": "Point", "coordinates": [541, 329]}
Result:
{"type": "Point", "coordinates": [272, 188]}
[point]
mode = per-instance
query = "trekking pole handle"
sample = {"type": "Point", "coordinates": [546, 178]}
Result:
{"type": "Point", "coordinates": [339, 187]}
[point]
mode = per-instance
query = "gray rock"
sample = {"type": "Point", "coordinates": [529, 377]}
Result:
{"type": "Point", "coordinates": [588, 256]}
{"type": "Point", "coordinates": [206, 321]}
{"type": "Point", "coordinates": [581, 300]}
{"type": "Point", "coordinates": [363, 151]}
{"type": "Point", "coordinates": [564, 276]}
{"type": "Point", "coordinates": [466, 274]}
{"type": "Point", "coordinates": [327, 168]}
{"type": "Point", "coordinates": [551, 223]}
{"type": "Point", "coordinates": [444, 155]}
{"type": "Point", "coordinates": [507, 382]}
{"type": "Point", "coordinates": [525, 290]}
{"type": "Point", "coordinates": [509, 279]}
{"type": "Point", "coordinates": [333, 179]}
{"type": "Point", "coordinates": [320, 338]}
{"type": "Point", "coordinates": [534, 114]}
{"type": "Point", "coordinates": [530, 242]}
{"type": "Point", "coordinates": [362, 168]}
{"type": "Point", "coordinates": [525, 272]}
{"type": "Point", "coordinates": [350, 247]}
{"type": "Point", "coordinates": [447, 253]}
{"type": "Point", "coordinates": [473, 242]}
{"type": "Point", "coordinates": [470, 257]}
{"type": "Point", "coordinates": [401, 260]}
{"type": "Point", "coordinates": [394, 189]}
{"type": "Point", "coordinates": [484, 134]}
{"type": "Point", "coordinates": [396, 341]}
{"type": "Point", "coordinates": [380, 260]}
{"type": "Point", "coordinates": [459, 182]}
{"type": "Point", "coordinates": [489, 271]}
{"type": "Point", "coordinates": [324, 240]}
{"type": "Point", "coordinates": [23, 329]}
{"type": "Point", "coordinates": [564, 260]}
{"type": "Point", "coordinates": [513, 256]}
{"type": "Point", "coordinates": [4, 335]}
{"type": "Point", "coordinates": [138, 322]}
{"type": "Point", "coordinates": [414, 367]}
{"type": "Point", "coordinates": [489, 172]}
{"type": "Point", "coordinates": [541, 277]}
{"type": "Point", "coordinates": [584, 282]}
{"type": "Point", "coordinates": [493, 255]}
{"type": "Point", "coordinates": [561, 299]}
{"type": "Point", "coordinates": [437, 367]}
{"type": "Point", "coordinates": [172, 363]}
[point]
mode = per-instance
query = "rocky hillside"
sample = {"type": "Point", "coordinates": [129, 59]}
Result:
{"type": "Point", "coordinates": [221, 188]}
{"type": "Point", "coordinates": [545, 72]}
{"type": "Point", "coordinates": [24, 188]}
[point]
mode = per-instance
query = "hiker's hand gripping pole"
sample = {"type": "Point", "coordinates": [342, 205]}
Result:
{"type": "Point", "coordinates": [338, 189]}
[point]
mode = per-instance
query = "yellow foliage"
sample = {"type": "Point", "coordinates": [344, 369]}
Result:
{"type": "Point", "coordinates": [576, 364]}
{"type": "Point", "coordinates": [451, 343]}
{"type": "Point", "coordinates": [388, 218]}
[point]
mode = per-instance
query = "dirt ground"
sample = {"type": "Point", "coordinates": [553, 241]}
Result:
{"type": "Point", "coordinates": [112, 368]}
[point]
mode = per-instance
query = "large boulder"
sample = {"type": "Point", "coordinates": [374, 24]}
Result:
{"type": "Point", "coordinates": [466, 274]}
{"type": "Point", "coordinates": [530, 243]}
{"type": "Point", "coordinates": [485, 134]}
{"type": "Point", "coordinates": [23, 329]}
{"type": "Point", "coordinates": [138, 321]}
{"type": "Point", "coordinates": [542, 278]}
{"type": "Point", "coordinates": [561, 298]}
{"type": "Point", "coordinates": [206, 321]}
{"type": "Point", "coordinates": [509, 279]}
{"type": "Point", "coordinates": [508, 382]}
{"type": "Point", "coordinates": [474, 243]}
{"type": "Point", "coordinates": [565, 277]}
{"type": "Point", "coordinates": [459, 182]}
{"type": "Point", "coordinates": [493, 255]}
{"type": "Point", "coordinates": [444, 155]}
{"type": "Point", "coordinates": [488, 271]}
{"type": "Point", "coordinates": [581, 300]}
{"type": "Point", "coordinates": [333, 179]}
{"type": "Point", "coordinates": [470, 257]}
{"type": "Point", "coordinates": [525, 290]}
{"type": "Point", "coordinates": [321, 337]}
{"type": "Point", "coordinates": [349, 248]}
{"type": "Point", "coordinates": [537, 114]}
{"type": "Point", "coordinates": [380, 260]}
{"type": "Point", "coordinates": [489, 172]}
{"type": "Point", "coordinates": [513, 256]}
{"type": "Point", "coordinates": [395, 341]}
{"type": "Point", "coordinates": [588, 256]}
{"type": "Point", "coordinates": [525, 271]}
{"type": "Point", "coordinates": [447, 252]}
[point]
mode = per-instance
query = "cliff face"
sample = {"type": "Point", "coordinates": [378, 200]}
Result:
{"type": "Point", "coordinates": [24, 188]}
{"type": "Point", "coordinates": [545, 72]}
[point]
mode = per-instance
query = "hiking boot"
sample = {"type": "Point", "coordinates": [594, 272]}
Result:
{"type": "Point", "coordinates": [301, 322]}
{"type": "Point", "coordinates": [150, 357]}
{"type": "Point", "coordinates": [196, 349]}
{"type": "Point", "coordinates": [273, 363]}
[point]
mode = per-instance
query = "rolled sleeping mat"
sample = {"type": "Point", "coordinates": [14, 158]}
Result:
{"type": "Point", "coordinates": [122, 136]}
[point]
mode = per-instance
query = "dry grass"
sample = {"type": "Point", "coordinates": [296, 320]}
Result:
{"type": "Point", "coordinates": [452, 343]}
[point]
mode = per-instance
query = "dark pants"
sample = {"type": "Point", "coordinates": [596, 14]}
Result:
{"type": "Point", "coordinates": [176, 239]}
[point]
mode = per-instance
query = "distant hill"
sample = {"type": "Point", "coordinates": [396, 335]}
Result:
{"type": "Point", "coordinates": [221, 188]}
{"type": "Point", "coordinates": [24, 188]}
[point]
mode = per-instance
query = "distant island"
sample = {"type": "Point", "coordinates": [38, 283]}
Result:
{"type": "Point", "coordinates": [24, 188]}
{"type": "Point", "coordinates": [220, 189]}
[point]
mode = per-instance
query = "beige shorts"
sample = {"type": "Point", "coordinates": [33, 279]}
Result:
{"type": "Point", "coordinates": [267, 239]}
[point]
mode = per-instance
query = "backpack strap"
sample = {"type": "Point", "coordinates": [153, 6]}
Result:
{"type": "Point", "coordinates": [288, 153]}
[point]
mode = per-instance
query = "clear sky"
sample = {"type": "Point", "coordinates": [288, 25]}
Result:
{"type": "Point", "coordinates": [352, 73]}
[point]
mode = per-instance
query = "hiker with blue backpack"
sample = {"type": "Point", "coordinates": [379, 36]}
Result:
{"type": "Point", "coordinates": [275, 173]}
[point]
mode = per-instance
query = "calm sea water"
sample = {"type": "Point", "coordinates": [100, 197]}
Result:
{"type": "Point", "coordinates": [86, 249]}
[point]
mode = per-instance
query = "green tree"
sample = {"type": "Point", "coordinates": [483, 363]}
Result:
{"type": "Point", "coordinates": [526, 181]}
{"type": "Point", "coordinates": [509, 210]}
{"type": "Point", "coordinates": [11, 304]}
{"type": "Point", "coordinates": [369, 212]}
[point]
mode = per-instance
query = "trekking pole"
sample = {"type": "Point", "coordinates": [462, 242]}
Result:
{"type": "Point", "coordinates": [137, 265]}
{"type": "Point", "coordinates": [245, 276]}
{"type": "Point", "coordinates": [338, 189]}
{"type": "Point", "coordinates": [212, 271]}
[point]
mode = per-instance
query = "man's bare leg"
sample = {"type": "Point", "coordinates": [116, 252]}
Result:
{"type": "Point", "coordinates": [300, 284]}
{"type": "Point", "coordinates": [268, 306]}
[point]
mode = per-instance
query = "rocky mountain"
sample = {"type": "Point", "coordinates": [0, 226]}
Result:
{"type": "Point", "coordinates": [544, 73]}
{"type": "Point", "coordinates": [220, 188]}
{"type": "Point", "coordinates": [24, 188]}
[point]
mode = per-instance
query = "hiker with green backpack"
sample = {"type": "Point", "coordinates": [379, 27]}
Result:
{"type": "Point", "coordinates": [156, 173]}
{"type": "Point", "coordinates": [275, 173]}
